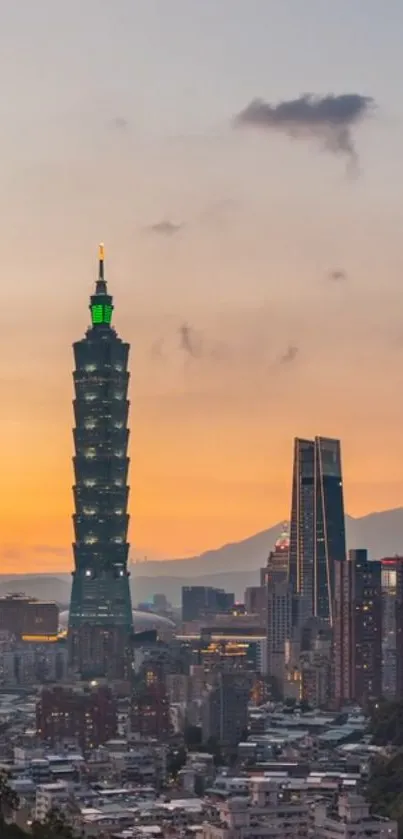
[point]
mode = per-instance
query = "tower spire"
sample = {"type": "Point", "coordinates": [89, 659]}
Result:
{"type": "Point", "coordinates": [101, 258]}
{"type": "Point", "coordinates": [101, 304]}
{"type": "Point", "coordinates": [101, 281]}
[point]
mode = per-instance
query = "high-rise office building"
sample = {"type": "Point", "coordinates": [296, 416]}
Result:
{"type": "Point", "coordinates": [357, 630]}
{"type": "Point", "coordinates": [279, 626]}
{"type": "Point", "coordinates": [202, 601]}
{"type": "Point", "coordinates": [100, 620]}
{"type": "Point", "coordinates": [278, 559]}
{"type": "Point", "coordinates": [317, 528]}
{"type": "Point", "coordinates": [225, 708]}
{"type": "Point", "coordinates": [392, 626]}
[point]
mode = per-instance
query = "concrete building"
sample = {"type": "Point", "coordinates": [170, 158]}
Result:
{"type": "Point", "coordinates": [268, 813]}
{"type": "Point", "coordinates": [279, 625]}
{"type": "Point", "coordinates": [50, 797]}
{"type": "Point", "coordinates": [86, 715]}
{"type": "Point", "coordinates": [30, 663]}
{"type": "Point", "coordinates": [351, 819]}
{"type": "Point", "coordinates": [225, 709]}
{"type": "Point", "coordinates": [149, 711]}
{"type": "Point", "coordinates": [29, 617]}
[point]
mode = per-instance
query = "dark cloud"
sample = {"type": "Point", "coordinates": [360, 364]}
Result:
{"type": "Point", "coordinates": [120, 123]}
{"type": "Point", "coordinates": [165, 228]}
{"type": "Point", "coordinates": [338, 275]}
{"type": "Point", "coordinates": [190, 341]}
{"type": "Point", "coordinates": [289, 355]}
{"type": "Point", "coordinates": [331, 119]}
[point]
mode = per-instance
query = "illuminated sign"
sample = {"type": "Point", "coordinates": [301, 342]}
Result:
{"type": "Point", "coordinates": [101, 313]}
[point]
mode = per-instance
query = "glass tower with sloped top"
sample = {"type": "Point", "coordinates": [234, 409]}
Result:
{"type": "Point", "coordinates": [317, 527]}
{"type": "Point", "coordinates": [100, 618]}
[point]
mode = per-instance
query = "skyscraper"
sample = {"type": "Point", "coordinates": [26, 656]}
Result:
{"type": "Point", "coordinates": [317, 529]}
{"type": "Point", "coordinates": [358, 629]}
{"type": "Point", "coordinates": [399, 628]}
{"type": "Point", "coordinates": [100, 620]}
{"type": "Point", "coordinates": [278, 559]}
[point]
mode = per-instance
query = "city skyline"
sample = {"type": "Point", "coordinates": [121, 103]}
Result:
{"type": "Point", "coordinates": [258, 275]}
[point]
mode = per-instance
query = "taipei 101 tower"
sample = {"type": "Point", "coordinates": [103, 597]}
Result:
{"type": "Point", "coordinates": [100, 619]}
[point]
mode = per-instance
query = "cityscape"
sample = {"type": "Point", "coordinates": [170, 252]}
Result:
{"type": "Point", "coordinates": [252, 691]}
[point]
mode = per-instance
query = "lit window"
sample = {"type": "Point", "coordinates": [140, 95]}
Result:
{"type": "Point", "coordinates": [89, 368]}
{"type": "Point", "coordinates": [89, 482]}
{"type": "Point", "coordinates": [89, 424]}
{"type": "Point", "coordinates": [90, 539]}
{"type": "Point", "coordinates": [90, 453]}
{"type": "Point", "coordinates": [89, 397]}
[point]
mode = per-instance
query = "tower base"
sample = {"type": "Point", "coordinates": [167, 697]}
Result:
{"type": "Point", "coordinates": [97, 652]}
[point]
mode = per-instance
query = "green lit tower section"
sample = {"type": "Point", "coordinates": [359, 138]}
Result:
{"type": "Point", "coordinates": [100, 619]}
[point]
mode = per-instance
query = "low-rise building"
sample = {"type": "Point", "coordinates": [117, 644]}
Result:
{"type": "Point", "coordinates": [351, 819]}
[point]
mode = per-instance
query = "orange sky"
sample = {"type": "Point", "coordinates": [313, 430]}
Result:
{"type": "Point", "coordinates": [211, 440]}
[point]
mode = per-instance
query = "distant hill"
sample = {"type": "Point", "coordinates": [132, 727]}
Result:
{"type": "Point", "coordinates": [236, 566]}
{"type": "Point", "coordinates": [233, 566]}
{"type": "Point", "coordinates": [46, 587]}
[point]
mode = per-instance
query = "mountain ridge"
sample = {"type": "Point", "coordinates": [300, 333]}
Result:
{"type": "Point", "coordinates": [234, 566]}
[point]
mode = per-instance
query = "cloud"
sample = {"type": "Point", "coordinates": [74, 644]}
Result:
{"type": "Point", "coordinates": [157, 350]}
{"type": "Point", "coordinates": [338, 275]}
{"type": "Point", "coordinates": [189, 341]}
{"type": "Point", "coordinates": [165, 228]}
{"type": "Point", "coordinates": [120, 123]}
{"type": "Point", "coordinates": [289, 355]}
{"type": "Point", "coordinates": [330, 119]}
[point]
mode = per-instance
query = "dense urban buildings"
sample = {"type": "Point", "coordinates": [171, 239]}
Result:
{"type": "Point", "coordinates": [358, 630]}
{"type": "Point", "coordinates": [100, 619]}
{"type": "Point", "coordinates": [317, 528]}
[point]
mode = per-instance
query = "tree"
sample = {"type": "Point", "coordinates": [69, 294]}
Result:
{"type": "Point", "coordinates": [386, 724]}
{"type": "Point", "coordinates": [385, 788]}
{"type": "Point", "coordinates": [193, 736]}
{"type": "Point", "coordinates": [176, 759]}
{"type": "Point", "coordinates": [9, 801]}
{"type": "Point", "coordinates": [55, 826]}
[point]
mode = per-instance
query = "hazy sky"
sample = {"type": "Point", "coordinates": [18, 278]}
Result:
{"type": "Point", "coordinates": [118, 125]}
